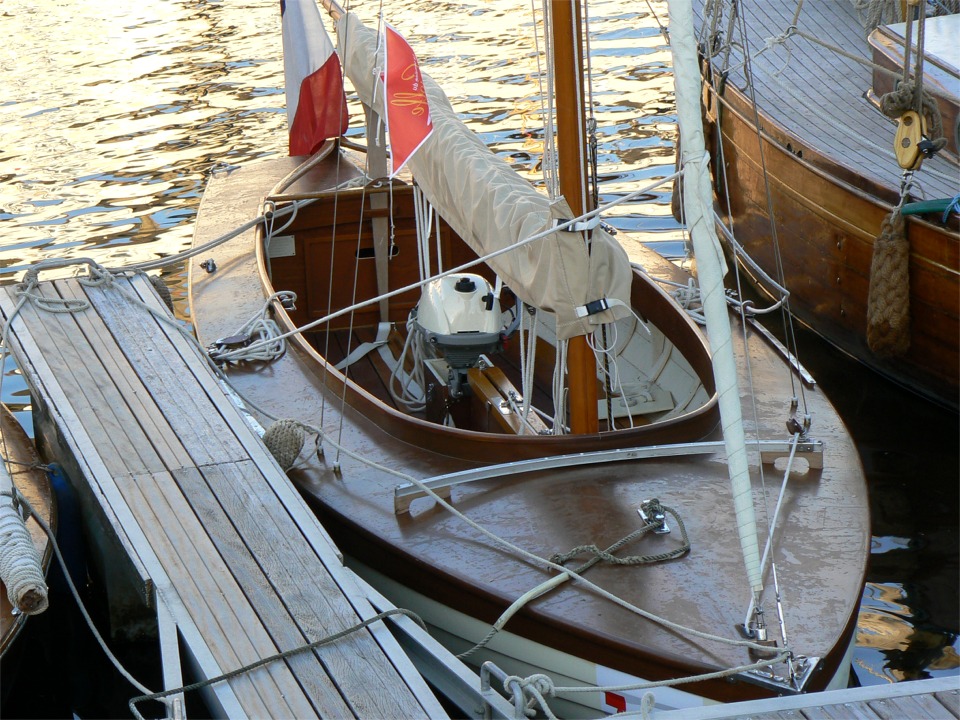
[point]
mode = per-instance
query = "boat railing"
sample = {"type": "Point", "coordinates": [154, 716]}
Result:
{"type": "Point", "coordinates": [441, 485]}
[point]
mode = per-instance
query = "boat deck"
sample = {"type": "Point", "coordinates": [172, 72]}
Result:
{"type": "Point", "coordinates": [543, 512]}
{"type": "Point", "coordinates": [806, 89]}
{"type": "Point", "coordinates": [934, 699]}
{"type": "Point", "coordinates": [218, 543]}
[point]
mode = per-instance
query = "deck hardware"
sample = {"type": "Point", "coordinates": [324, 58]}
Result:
{"type": "Point", "coordinates": [233, 341]}
{"type": "Point", "coordinates": [651, 513]}
{"type": "Point", "coordinates": [800, 669]}
{"type": "Point", "coordinates": [406, 493]}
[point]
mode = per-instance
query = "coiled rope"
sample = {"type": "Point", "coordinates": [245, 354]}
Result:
{"type": "Point", "coordinates": [20, 566]}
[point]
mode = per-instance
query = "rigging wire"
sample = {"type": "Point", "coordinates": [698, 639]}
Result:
{"type": "Point", "coordinates": [786, 315]}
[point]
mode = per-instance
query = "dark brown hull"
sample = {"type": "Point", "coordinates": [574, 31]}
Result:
{"type": "Point", "coordinates": [828, 212]}
{"type": "Point", "coordinates": [553, 510]}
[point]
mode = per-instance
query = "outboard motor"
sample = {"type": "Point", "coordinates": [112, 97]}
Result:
{"type": "Point", "coordinates": [459, 318]}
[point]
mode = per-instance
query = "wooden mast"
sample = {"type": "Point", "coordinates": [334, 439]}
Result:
{"type": "Point", "coordinates": [571, 154]}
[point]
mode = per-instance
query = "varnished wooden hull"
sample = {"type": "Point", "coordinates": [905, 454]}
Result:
{"type": "Point", "coordinates": [826, 219]}
{"type": "Point", "coordinates": [440, 557]}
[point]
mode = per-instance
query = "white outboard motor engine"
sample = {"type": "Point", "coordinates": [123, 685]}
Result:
{"type": "Point", "coordinates": [459, 317]}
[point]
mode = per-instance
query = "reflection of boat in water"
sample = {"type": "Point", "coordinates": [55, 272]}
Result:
{"type": "Point", "coordinates": [26, 549]}
{"type": "Point", "coordinates": [882, 286]}
{"type": "Point", "coordinates": [482, 419]}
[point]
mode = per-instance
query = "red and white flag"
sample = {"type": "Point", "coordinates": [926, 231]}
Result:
{"type": "Point", "coordinates": [408, 114]}
{"type": "Point", "coordinates": [316, 104]}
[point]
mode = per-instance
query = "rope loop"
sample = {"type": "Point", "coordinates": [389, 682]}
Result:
{"type": "Point", "coordinates": [529, 694]}
{"type": "Point", "coordinates": [655, 509]}
{"type": "Point", "coordinates": [909, 95]}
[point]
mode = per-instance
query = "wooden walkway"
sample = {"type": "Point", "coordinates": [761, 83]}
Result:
{"type": "Point", "coordinates": [936, 699]}
{"type": "Point", "coordinates": [216, 540]}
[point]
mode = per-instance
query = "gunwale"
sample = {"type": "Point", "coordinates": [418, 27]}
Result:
{"type": "Point", "coordinates": [483, 447]}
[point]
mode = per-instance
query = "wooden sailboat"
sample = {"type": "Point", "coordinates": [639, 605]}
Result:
{"type": "Point", "coordinates": [28, 567]}
{"type": "Point", "coordinates": [457, 460]}
{"type": "Point", "coordinates": [809, 196]}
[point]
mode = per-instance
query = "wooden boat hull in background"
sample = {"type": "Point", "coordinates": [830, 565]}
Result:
{"type": "Point", "coordinates": [806, 197]}
{"type": "Point", "coordinates": [826, 226]}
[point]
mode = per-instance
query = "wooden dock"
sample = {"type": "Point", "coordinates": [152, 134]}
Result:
{"type": "Point", "coordinates": [195, 525]}
{"type": "Point", "coordinates": [936, 699]}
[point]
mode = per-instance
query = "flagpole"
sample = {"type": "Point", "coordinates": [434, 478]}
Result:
{"type": "Point", "coordinates": [568, 71]}
{"type": "Point", "coordinates": [334, 9]}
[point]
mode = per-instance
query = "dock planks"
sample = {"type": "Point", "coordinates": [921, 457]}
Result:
{"type": "Point", "coordinates": [214, 533]}
{"type": "Point", "coordinates": [934, 699]}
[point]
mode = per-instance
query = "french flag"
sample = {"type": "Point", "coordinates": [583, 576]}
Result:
{"type": "Point", "coordinates": [316, 104]}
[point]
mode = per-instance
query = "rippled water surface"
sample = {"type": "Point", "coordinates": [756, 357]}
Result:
{"type": "Point", "coordinates": [114, 114]}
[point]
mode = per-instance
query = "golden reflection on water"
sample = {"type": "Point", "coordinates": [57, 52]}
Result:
{"type": "Point", "coordinates": [114, 115]}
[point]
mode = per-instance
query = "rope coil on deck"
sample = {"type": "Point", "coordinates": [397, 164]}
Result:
{"type": "Point", "coordinates": [608, 556]}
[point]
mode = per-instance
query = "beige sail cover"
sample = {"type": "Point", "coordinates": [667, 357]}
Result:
{"type": "Point", "coordinates": [492, 208]}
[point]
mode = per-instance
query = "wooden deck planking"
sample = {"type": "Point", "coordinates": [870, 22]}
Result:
{"type": "Point", "coordinates": [182, 455]}
{"type": "Point", "coordinates": [184, 552]}
{"type": "Point", "coordinates": [809, 92]}
{"type": "Point", "coordinates": [933, 699]}
{"type": "Point", "coordinates": [296, 572]}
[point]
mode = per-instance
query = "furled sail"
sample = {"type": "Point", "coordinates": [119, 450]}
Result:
{"type": "Point", "coordinates": [492, 208]}
{"type": "Point", "coordinates": [698, 206]}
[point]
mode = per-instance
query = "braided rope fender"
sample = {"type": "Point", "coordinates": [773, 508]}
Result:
{"type": "Point", "coordinates": [888, 301]}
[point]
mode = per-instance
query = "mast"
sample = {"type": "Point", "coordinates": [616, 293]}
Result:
{"type": "Point", "coordinates": [571, 154]}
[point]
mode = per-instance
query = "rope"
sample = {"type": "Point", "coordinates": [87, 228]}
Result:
{"type": "Point", "coordinates": [257, 340]}
{"type": "Point", "coordinates": [910, 95]}
{"type": "Point", "coordinates": [654, 508]}
{"type": "Point", "coordinates": [284, 439]}
{"type": "Point", "coordinates": [877, 12]}
{"type": "Point", "coordinates": [20, 566]}
{"type": "Point", "coordinates": [273, 658]}
{"type": "Point", "coordinates": [888, 299]}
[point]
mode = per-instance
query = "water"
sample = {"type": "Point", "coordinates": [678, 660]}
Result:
{"type": "Point", "coordinates": [112, 119]}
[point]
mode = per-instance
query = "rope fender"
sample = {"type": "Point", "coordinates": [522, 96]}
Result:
{"type": "Point", "coordinates": [888, 301]}
{"type": "Point", "coordinates": [20, 566]}
{"type": "Point", "coordinates": [284, 439]}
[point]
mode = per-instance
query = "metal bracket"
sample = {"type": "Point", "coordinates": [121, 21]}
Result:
{"type": "Point", "coordinates": [770, 450]}
{"type": "Point", "coordinates": [799, 670]}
